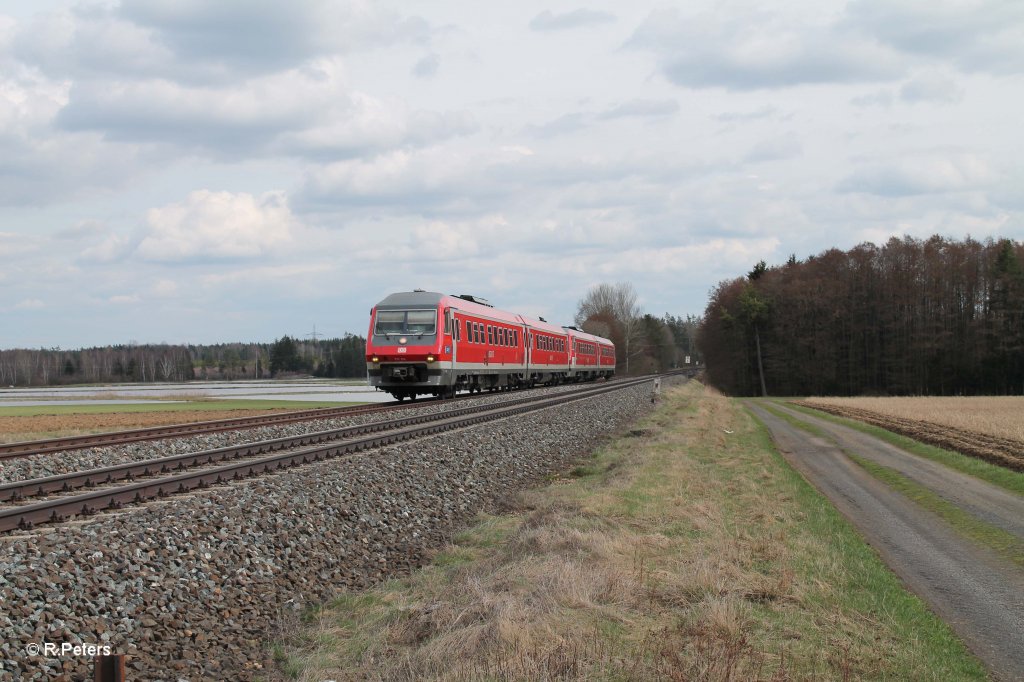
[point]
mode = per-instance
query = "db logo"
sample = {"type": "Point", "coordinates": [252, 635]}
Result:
{"type": "Point", "coordinates": [402, 349]}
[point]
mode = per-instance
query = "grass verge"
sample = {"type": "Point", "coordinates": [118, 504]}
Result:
{"type": "Point", "coordinates": [686, 549]}
{"type": "Point", "coordinates": [972, 466]}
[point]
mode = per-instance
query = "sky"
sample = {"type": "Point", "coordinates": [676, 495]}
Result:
{"type": "Point", "coordinates": [186, 171]}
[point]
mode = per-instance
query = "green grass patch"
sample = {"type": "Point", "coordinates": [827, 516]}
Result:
{"type": "Point", "coordinates": [972, 466]}
{"type": "Point", "coordinates": [189, 406]}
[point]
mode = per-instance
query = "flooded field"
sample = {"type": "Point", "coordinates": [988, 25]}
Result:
{"type": "Point", "coordinates": [311, 390]}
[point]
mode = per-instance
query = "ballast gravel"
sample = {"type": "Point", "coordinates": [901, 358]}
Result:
{"type": "Point", "coordinates": [192, 587]}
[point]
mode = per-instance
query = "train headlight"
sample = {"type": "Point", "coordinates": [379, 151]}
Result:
{"type": "Point", "coordinates": [430, 358]}
{"type": "Point", "coordinates": [374, 359]}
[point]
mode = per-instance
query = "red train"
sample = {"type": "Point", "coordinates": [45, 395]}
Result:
{"type": "Point", "coordinates": [425, 343]}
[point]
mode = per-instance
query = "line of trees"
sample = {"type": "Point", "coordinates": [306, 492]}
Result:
{"type": "Point", "coordinates": [643, 343]}
{"type": "Point", "coordinates": [344, 357]}
{"type": "Point", "coordinates": [912, 317]}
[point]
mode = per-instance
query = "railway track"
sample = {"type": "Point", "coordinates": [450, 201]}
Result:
{"type": "Point", "coordinates": [198, 470]}
{"type": "Point", "coordinates": [41, 447]}
{"type": "Point", "coordinates": [51, 445]}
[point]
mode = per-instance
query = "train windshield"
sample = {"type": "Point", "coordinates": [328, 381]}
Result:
{"type": "Point", "coordinates": [420, 322]}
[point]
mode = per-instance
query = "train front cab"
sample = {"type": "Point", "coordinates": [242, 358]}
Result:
{"type": "Point", "coordinates": [405, 346]}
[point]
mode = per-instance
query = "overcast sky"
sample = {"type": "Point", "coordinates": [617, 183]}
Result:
{"type": "Point", "coordinates": [195, 171]}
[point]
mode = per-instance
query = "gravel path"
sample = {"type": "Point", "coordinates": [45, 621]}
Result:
{"type": "Point", "coordinates": [191, 588]}
{"type": "Point", "coordinates": [988, 502]}
{"type": "Point", "coordinates": [979, 594]}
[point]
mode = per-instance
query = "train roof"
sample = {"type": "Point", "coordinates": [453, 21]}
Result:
{"type": "Point", "coordinates": [580, 334]}
{"type": "Point", "coordinates": [405, 299]}
{"type": "Point", "coordinates": [470, 304]}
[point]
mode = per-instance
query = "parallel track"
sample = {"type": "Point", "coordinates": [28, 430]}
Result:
{"type": "Point", "coordinates": [353, 440]}
{"type": "Point", "coordinates": [41, 447]}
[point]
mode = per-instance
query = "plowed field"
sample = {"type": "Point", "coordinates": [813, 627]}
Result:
{"type": "Point", "coordinates": [994, 440]}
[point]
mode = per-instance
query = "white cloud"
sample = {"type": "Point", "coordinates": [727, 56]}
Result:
{"type": "Point", "coordinates": [164, 288]}
{"type": "Point", "coordinates": [924, 174]}
{"type": "Point", "coordinates": [30, 304]}
{"type": "Point", "coordinates": [933, 88]}
{"type": "Point", "coordinates": [427, 66]}
{"type": "Point", "coordinates": [547, 21]}
{"type": "Point", "coordinates": [217, 225]}
{"type": "Point", "coordinates": [642, 108]}
{"type": "Point", "coordinates": [764, 50]}
{"type": "Point", "coordinates": [975, 35]}
{"type": "Point", "coordinates": [786, 146]}
{"type": "Point", "coordinates": [201, 42]}
{"type": "Point", "coordinates": [307, 111]}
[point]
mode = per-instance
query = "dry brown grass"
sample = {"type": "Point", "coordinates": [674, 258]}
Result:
{"type": "Point", "coordinates": [1001, 416]}
{"type": "Point", "coordinates": [680, 553]}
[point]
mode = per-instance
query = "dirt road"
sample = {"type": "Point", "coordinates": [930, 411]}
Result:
{"type": "Point", "coordinates": [980, 594]}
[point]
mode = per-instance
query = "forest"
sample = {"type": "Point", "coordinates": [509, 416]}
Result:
{"type": "Point", "coordinates": [344, 357]}
{"type": "Point", "coordinates": [911, 317]}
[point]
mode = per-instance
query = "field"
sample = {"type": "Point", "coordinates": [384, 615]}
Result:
{"type": "Point", "coordinates": [990, 428]}
{"type": "Point", "coordinates": [53, 421]}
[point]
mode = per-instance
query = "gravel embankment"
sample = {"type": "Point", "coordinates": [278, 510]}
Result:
{"type": "Point", "coordinates": [192, 587]}
{"type": "Point", "coordinates": [55, 463]}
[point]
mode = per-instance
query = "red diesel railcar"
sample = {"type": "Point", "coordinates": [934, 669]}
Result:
{"type": "Point", "coordinates": [426, 343]}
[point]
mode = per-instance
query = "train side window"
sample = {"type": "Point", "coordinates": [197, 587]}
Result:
{"type": "Point", "coordinates": [479, 332]}
{"type": "Point", "coordinates": [490, 335]}
{"type": "Point", "coordinates": [469, 331]}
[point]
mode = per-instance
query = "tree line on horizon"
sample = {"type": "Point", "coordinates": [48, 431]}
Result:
{"type": "Point", "coordinates": [911, 317]}
{"type": "Point", "coordinates": [144, 363]}
{"type": "Point", "coordinates": [644, 344]}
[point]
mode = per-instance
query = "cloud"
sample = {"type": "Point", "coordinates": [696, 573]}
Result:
{"type": "Point", "coordinates": [427, 66]}
{"type": "Point", "coordinates": [112, 247]}
{"type": "Point", "coordinates": [878, 98]}
{"type": "Point", "coordinates": [309, 111]}
{"type": "Point", "coordinates": [216, 225]}
{"type": "Point", "coordinates": [642, 108]}
{"type": "Point", "coordinates": [766, 50]}
{"type": "Point", "coordinates": [546, 21]}
{"type": "Point", "coordinates": [767, 111]}
{"type": "Point", "coordinates": [927, 174]}
{"type": "Point", "coordinates": [931, 88]}
{"type": "Point", "coordinates": [980, 35]}
{"type": "Point", "coordinates": [29, 304]}
{"type": "Point", "coordinates": [206, 43]}
{"type": "Point", "coordinates": [82, 230]}
{"type": "Point", "coordinates": [563, 125]}
{"type": "Point", "coordinates": [779, 148]}
{"type": "Point", "coordinates": [164, 288]}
